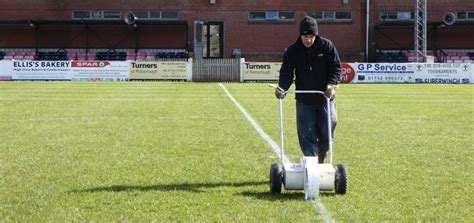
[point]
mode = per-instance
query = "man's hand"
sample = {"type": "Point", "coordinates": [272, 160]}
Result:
{"type": "Point", "coordinates": [330, 90]}
{"type": "Point", "coordinates": [279, 93]}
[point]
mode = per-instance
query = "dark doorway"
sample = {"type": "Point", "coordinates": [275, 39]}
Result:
{"type": "Point", "coordinates": [213, 39]}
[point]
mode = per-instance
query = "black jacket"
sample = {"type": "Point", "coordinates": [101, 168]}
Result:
{"type": "Point", "coordinates": [314, 67]}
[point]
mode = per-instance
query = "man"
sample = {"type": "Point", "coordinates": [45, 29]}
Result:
{"type": "Point", "coordinates": [315, 63]}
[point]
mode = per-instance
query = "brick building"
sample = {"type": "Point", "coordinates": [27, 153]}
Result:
{"type": "Point", "coordinates": [254, 29]}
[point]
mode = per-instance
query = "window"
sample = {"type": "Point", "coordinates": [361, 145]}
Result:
{"type": "Point", "coordinates": [344, 15]}
{"type": "Point", "coordinates": [96, 14]}
{"type": "Point", "coordinates": [141, 14]}
{"type": "Point", "coordinates": [286, 15]}
{"type": "Point", "coordinates": [272, 16]}
{"type": "Point", "coordinates": [155, 14]}
{"type": "Point", "coordinates": [315, 15]}
{"type": "Point", "coordinates": [257, 16]}
{"type": "Point", "coordinates": [404, 16]}
{"type": "Point", "coordinates": [465, 15]}
{"type": "Point", "coordinates": [171, 15]}
{"type": "Point", "coordinates": [116, 15]}
{"type": "Point", "coordinates": [388, 15]}
{"type": "Point", "coordinates": [392, 15]}
{"type": "Point", "coordinates": [111, 14]}
{"type": "Point", "coordinates": [81, 14]}
{"type": "Point", "coordinates": [396, 15]}
{"type": "Point", "coordinates": [331, 16]}
{"type": "Point", "coordinates": [148, 15]}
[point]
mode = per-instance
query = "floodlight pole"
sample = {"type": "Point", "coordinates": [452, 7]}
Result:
{"type": "Point", "coordinates": [420, 30]}
{"type": "Point", "coordinates": [367, 26]}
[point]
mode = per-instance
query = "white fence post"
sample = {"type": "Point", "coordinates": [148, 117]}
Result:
{"type": "Point", "coordinates": [189, 70]}
{"type": "Point", "coordinates": [242, 63]}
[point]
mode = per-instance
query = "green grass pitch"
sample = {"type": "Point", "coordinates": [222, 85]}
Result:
{"type": "Point", "coordinates": [181, 152]}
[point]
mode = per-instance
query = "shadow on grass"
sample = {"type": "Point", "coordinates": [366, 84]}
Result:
{"type": "Point", "coordinates": [200, 187]}
{"type": "Point", "coordinates": [190, 187]}
{"type": "Point", "coordinates": [294, 195]}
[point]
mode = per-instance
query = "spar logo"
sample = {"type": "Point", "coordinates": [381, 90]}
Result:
{"type": "Point", "coordinates": [348, 73]}
{"type": "Point", "coordinates": [90, 64]}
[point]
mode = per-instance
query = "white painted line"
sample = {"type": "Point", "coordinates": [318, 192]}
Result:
{"type": "Point", "coordinates": [273, 144]}
{"type": "Point", "coordinates": [322, 210]}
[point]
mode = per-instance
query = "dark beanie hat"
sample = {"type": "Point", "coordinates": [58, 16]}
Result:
{"type": "Point", "coordinates": [308, 26]}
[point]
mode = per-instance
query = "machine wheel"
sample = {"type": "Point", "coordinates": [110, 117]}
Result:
{"type": "Point", "coordinates": [340, 182]}
{"type": "Point", "coordinates": [276, 178]}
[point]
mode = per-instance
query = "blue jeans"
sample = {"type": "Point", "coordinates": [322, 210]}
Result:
{"type": "Point", "coordinates": [312, 125]}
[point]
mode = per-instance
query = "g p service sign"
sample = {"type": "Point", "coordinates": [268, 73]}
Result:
{"type": "Point", "coordinates": [383, 72]}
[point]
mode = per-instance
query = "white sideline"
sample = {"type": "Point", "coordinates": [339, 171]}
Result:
{"type": "Point", "coordinates": [273, 144]}
{"type": "Point", "coordinates": [322, 210]}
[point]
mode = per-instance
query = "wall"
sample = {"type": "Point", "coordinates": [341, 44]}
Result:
{"type": "Point", "coordinates": [256, 40]}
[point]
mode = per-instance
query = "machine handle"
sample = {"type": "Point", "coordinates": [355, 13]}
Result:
{"type": "Point", "coordinates": [276, 87]}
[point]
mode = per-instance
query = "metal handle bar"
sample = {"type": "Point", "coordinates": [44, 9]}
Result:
{"type": "Point", "coordinates": [304, 92]}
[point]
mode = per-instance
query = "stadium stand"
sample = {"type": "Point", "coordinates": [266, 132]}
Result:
{"type": "Point", "coordinates": [171, 54]}
{"type": "Point", "coordinates": [392, 56]}
{"type": "Point", "coordinates": [131, 55]}
{"type": "Point", "coordinates": [111, 55]}
{"type": "Point", "coordinates": [91, 55]}
{"type": "Point", "coordinates": [439, 56]}
{"type": "Point", "coordinates": [157, 54]}
{"type": "Point", "coordinates": [60, 54]}
{"type": "Point", "coordinates": [458, 55]}
{"type": "Point", "coordinates": [94, 54]}
{"type": "Point", "coordinates": [71, 55]}
{"type": "Point", "coordinates": [141, 55]}
{"type": "Point", "coordinates": [150, 56]}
